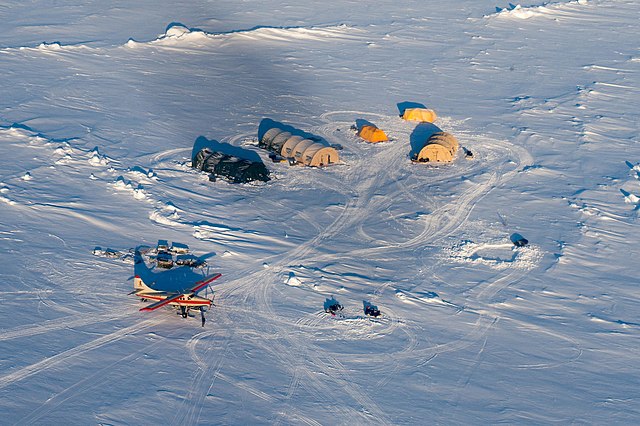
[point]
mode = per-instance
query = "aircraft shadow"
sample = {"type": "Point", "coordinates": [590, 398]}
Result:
{"type": "Point", "coordinates": [176, 279]}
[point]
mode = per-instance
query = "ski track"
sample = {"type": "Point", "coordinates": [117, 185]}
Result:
{"type": "Point", "coordinates": [38, 367]}
{"type": "Point", "coordinates": [205, 377]}
{"type": "Point", "coordinates": [294, 339]}
{"type": "Point", "coordinates": [256, 287]}
{"type": "Point", "coordinates": [80, 320]}
{"type": "Point", "coordinates": [209, 357]}
{"type": "Point", "coordinates": [258, 284]}
{"type": "Point", "coordinates": [357, 206]}
{"type": "Point", "coordinates": [99, 378]}
{"type": "Point", "coordinates": [455, 215]}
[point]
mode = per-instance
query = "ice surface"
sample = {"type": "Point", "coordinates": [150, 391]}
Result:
{"type": "Point", "coordinates": [100, 107]}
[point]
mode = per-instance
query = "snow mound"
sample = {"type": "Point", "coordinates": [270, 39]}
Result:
{"type": "Point", "coordinates": [517, 11]}
{"type": "Point", "coordinates": [181, 32]}
{"type": "Point", "coordinates": [17, 133]}
{"type": "Point", "coordinates": [96, 159]}
{"type": "Point", "coordinates": [142, 175]}
{"type": "Point", "coordinates": [64, 149]}
{"type": "Point", "coordinates": [124, 185]}
{"type": "Point", "coordinates": [498, 255]}
{"type": "Point", "coordinates": [165, 217]}
{"type": "Point", "coordinates": [7, 201]}
{"type": "Point", "coordinates": [50, 46]}
{"type": "Point", "coordinates": [4, 199]}
{"type": "Point", "coordinates": [630, 198]}
{"type": "Point", "coordinates": [292, 280]}
{"type": "Point", "coordinates": [55, 46]}
{"type": "Point", "coordinates": [174, 34]}
{"type": "Point", "coordinates": [177, 31]}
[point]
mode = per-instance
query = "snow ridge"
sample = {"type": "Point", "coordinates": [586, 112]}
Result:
{"type": "Point", "coordinates": [177, 33]}
{"type": "Point", "coordinates": [518, 11]}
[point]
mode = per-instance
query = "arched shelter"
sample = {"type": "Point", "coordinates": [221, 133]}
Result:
{"type": "Point", "coordinates": [441, 147]}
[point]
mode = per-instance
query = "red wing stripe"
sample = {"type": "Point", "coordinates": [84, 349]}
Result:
{"type": "Point", "coordinates": [201, 284]}
{"type": "Point", "coordinates": [161, 303]}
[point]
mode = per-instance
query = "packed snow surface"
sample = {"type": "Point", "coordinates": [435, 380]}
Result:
{"type": "Point", "coordinates": [100, 107]}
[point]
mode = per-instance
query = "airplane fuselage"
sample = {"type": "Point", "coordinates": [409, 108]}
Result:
{"type": "Point", "coordinates": [185, 300]}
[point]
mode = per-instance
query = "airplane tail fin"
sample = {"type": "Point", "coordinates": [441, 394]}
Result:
{"type": "Point", "coordinates": [138, 284]}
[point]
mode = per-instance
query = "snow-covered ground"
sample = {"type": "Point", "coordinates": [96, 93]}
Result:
{"type": "Point", "coordinates": [100, 106]}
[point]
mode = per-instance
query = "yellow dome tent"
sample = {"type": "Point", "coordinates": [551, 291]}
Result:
{"type": "Point", "coordinates": [371, 133]}
{"type": "Point", "coordinates": [441, 147]}
{"type": "Point", "coordinates": [424, 115]}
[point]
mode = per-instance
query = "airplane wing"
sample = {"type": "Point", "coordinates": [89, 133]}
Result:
{"type": "Point", "coordinates": [201, 284]}
{"type": "Point", "coordinates": [160, 303]}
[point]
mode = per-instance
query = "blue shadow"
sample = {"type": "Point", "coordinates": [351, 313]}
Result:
{"type": "Point", "coordinates": [420, 136]}
{"type": "Point", "coordinates": [268, 123]}
{"type": "Point", "coordinates": [408, 104]}
{"type": "Point", "coordinates": [177, 279]}
{"type": "Point", "coordinates": [360, 123]}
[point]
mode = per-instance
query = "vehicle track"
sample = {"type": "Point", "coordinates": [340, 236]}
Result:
{"type": "Point", "coordinates": [255, 289]}
{"type": "Point", "coordinates": [259, 282]}
{"type": "Point", "coordinates": [351, 216]}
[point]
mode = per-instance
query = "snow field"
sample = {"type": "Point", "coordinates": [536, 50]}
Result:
{"type": "Point", "coordinates": [99, 114]}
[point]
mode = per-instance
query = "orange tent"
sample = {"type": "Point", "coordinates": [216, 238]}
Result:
{"type": "Point", "coordinates": [372, 134]}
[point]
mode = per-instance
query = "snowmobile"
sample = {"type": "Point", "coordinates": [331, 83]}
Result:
{"type": "Point", "coordinates": [371, 310]}
{"type": "Point", "coordinates": [331, 306]}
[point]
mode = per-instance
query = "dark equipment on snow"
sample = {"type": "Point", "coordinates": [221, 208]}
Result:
{"type": "Point", "coordinates": [189, 260]}
{"type": "Point", "coordinates": [518, 240]}
{"type": "Point", "coordinates": [276, 158]}
{"type": "Point", "coordinates": [164, 260]}
{"type": "Point", "coordinates": [331, 306]}
{"type": "Point", "coordinates": [371, 310]}
{"type": "Point", "coordinates": [235, 169]}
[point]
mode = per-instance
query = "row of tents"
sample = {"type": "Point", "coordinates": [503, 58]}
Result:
{"type": "Point", "coordinates": [310, 152]}
{"type": "Point", "coordinates": [285, 142]}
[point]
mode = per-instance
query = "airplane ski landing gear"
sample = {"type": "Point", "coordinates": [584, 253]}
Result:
{"type": "Point", "coordinates": [185, 312]}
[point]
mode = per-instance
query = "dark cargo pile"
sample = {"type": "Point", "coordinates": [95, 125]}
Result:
{"type": "Point", "coordinates": [234, 169]}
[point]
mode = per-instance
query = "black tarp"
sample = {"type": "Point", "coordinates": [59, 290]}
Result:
{"type": "Point", "coordinates": [235, 169]}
